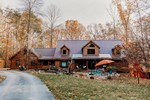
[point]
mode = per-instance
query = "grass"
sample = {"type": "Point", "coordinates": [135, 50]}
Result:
{"type": "Point", "coordinates": [2, 78]}
{"type": "Point", "coordinates": [71, 88]}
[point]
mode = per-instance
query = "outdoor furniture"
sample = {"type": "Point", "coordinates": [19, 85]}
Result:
{"type": "Point", "coordinates": [103, 62]}
{"type": "Point", "coordinates": [92, 72]}
{"type": "Point", "coordinates": [110, 71]}
{"type": "Point", "coordinates": [103, 72]}
{"type": "Point", "coordinates": [22, 68]}
{"type": "Point", "coordinates": [98, 71]}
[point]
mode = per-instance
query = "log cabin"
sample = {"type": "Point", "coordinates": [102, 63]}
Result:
{"type": "Point", "coordinates": [79, 53]}
{"type": "Point", "coordinates": [1, 63]}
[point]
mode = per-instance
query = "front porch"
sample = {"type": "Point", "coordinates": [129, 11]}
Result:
{"type": "Point", "coordinates": [88, 62]}
{"type": "Point", "coordinates": [45, 64]}
{"type": "Point", "coordinates": [85, 64]}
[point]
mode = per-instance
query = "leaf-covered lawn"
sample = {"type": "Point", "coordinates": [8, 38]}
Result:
{"type": "Point", "coordinates": [71, 88]}
{"type": "Point", "coordinates": [2, 78]}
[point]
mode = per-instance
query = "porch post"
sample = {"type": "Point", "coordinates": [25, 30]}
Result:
{"type": "Point", "coordinates": [87, 65]}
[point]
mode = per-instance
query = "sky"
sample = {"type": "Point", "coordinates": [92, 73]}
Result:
{"type": "Point", "coordinates": [85, 11]}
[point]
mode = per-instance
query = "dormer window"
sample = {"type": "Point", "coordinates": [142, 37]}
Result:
{"type": "Point", "coordinates": [91, 45]}
{"type": "Point", "coordinates": [91, 51]}
{"type": "Point", "coordinates": [64, 51]}
{"type": "Point", "coordinates": [116, 51]}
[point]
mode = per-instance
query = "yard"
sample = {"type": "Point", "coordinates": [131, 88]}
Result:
{"type": "Point", "coordinates": [71, 88]}
{"type": "Point", "coordinates": [2, 78]}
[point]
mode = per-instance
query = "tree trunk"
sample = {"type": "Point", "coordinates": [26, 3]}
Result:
{"type": "Point", "coordinates": [6, 56]}
{"type": "Point", "coordinates": [51, 37]}
{"type": "Point", "coordinates": [28, 33]}
{"type": "Point", "coordinates": [138, 80]}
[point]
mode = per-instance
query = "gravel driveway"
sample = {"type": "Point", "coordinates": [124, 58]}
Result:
{"type": "Point", "coordinates": [23, 86]}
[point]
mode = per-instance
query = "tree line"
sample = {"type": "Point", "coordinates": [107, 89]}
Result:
{"type": "Point", "coordinates": [25, 27]}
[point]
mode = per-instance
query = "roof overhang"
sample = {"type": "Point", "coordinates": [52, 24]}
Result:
{"type": "Point", "coordinates": [46, 58]}
{"type": "Point", "coordinates": [100, 56]}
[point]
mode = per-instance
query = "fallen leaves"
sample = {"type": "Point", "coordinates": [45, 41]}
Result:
{"type": "Point", "coordinates": [72, 88]}
{"type": "Point", "coordinates": [2, 78]}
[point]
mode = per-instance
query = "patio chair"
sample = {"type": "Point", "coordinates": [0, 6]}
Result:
{"type": "Point", "coordinates": [92, 72]}
{"type": "Point", "coordinates": [98, 71]}
{"type": "Point", "coordinates": [110, 71]}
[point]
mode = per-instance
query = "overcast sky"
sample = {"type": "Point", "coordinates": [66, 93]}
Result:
{"type": "Point", "coordinates": [85, 11]}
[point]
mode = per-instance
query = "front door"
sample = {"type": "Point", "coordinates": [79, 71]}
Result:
{"type": "Point", "coordinates": [91, 64]}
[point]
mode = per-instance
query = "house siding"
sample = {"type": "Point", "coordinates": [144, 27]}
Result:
{"type": "Point", "coordinates": [85, 49]}
{"type": "Point", "coordinates": [21, 58]}
{"type": "Point", "coordinates": [57, 64]}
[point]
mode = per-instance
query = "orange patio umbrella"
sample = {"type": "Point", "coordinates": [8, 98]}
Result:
{"type": "Point", "coordinates": [103, 62]}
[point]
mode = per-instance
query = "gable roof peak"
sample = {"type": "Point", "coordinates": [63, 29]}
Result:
{"type": "Point", "coordinates": [91, 41]}
{"type": "Point", "coordinates": [64, 46]}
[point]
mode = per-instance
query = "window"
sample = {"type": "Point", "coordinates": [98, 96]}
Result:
{"type": "Point", "coordinates": [91, 51]}
{"type": "Point", "coordinates": [118, 52]}
{"type": "Point", "coordinates": [40, 63]}
{"type": "Point", "coordinates": [25, 52]}
{"type": "Point", "coordinates": [112, 51]}
{"type": "Point", "coordinates": [17, 63]}
{"type": "Point", "coordinates": [64, 52]}
{"type": "Point", "coordinates": [68, 63]}
{"type": "Point", "coordinates": [45, 62]}
{"type": "Point", "coordinates": [49, 63]}
{"type": "Point", "coordinates": [91, 45]}
{"type": "Point", "coordinates": [63, 64]}
{"type": "Point", "coordinates": [33, 63]}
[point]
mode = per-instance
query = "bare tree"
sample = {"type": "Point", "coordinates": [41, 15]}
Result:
{"type": "Point", "coordinates": [140, 34]}
{"type": "Point", "coordinates": [138, 51]}
{"type": "Point", "coordinates": [30, 6]}
{"type": "Point", "coordinates": [135, 23]}
{"type": "Point", "coordinates": [112, 11]}
{"type": "Point", "coordinates": [96, 31]}
{"type": "Point", "coordinates": [52, 15]}
{"type": "Point", "coordinates": [124, 8]}
{"type": "Point", "coordinates": [4, 36]}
